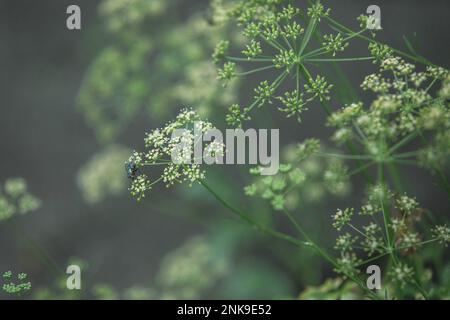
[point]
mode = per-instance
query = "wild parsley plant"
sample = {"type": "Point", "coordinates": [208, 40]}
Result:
{"type": "Point", "coordinates": [406, 124]}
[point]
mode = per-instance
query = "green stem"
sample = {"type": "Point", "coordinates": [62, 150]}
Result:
{"type": "Point", "coordinates": [239, 59]}
{"type": "Point", "coordinates": [346, 156]}
{"type": "Point", "coordinates": [275, 45]}
{"type": "Point", "coordinates": [339, 59]}
{"type": "Point", "coordinates": [252, 222]}
{"type": "Point", "coordinates": [361, 168]}
{"type": "Point", "coordinates": [322, 50]}
{"type": "Point", "coordinates": [417, 244]}
{"type": "Point", "coordinates": [255, 70]}
{"type": "Point", "coordinates": [309, 31]}
{"type": "Point", "coordinates": [37, 249]}
{"type": "Point", "coordinates": [402, 142]}
{"type": "Point", "coordinates": [444, 182]}
{"type": "Point", "coordinates": [325, 255]}
{"type": "Point", "coordinates": [381, 255]}
{"type": "Point", "coordinates": [285, 237]}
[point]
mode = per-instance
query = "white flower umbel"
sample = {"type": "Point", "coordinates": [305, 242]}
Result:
{"type": "Point", "coordinates": [178, 148]}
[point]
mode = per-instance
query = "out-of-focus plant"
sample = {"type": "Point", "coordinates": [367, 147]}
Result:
{"type": "Point", "coordinates": [187, 272]}
{"type": "Point", "coordinates": [58, 289]}
{"type": "Point", "coordinates": [332, 289]}
{"type": "Point", "coordinates": [15, 199]}
{"type": "Point", "coordinates": [131, 16]}
{"type": "Point", "coordinates": [137, 73]}
{"type": "Point", "coordinates": [300, 178]}
{"type": "Point", "coordinates": [144, 72]}
{"type": "Point", "coordinates": [15, 285]}
{"type": "Point", "coordinates": [101, 176]}
{"type": "Point", "coordinates": [190, 270]}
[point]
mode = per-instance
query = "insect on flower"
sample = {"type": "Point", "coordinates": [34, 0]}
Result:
{"type": "Point", "coordinates": [132, 170]}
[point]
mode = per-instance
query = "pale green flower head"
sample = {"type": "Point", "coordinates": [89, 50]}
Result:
{"type": "Point", "coordinates": [15, 199]}
{"type": "Point", "coordinates": [102, 176]}
{"type": "Point", "coordinates": [15, 285]}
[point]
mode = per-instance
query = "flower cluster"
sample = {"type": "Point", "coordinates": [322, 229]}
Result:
{"type": "Point", "coordinates": [123, 14]}
{"type": "Point", "coordinates": [402, 274]}
{"type": "Point", "coordinates": [252, 50]}
{"type": "Point", "coordinates": [190, 270]}
{"type": "Point", "coordinates": [342, 217]}
{"type": "Point", "coordinates": [442, 233]}
{"type": "Point", "coordinates": [404, 111]}
{"type": "Point", "coordinates": [15, 198]}
{"type": "Point", "coordinates": [236, 115]}
{"type": "Point", "coordinates": [293, 104]}
{"type": "Point", "coordinates": [123, 83]}
{"type": "Point", "coordinates": [334, 43]}
{"type": "Point", "coordinates": [202, 89]}
{"type": "Point", "coordinates": [264, 93]}
{"type": "Point", "coordinates": [102, 176]}
{"type": "Point", "coordinates": [15, 288]}
{"type": "Point", "coordinates": [173, 152]}
{"type": "Point", "coordinates": [277, 40]}
{"type": "Point", "coordinates": [396, 234]}
{"type": "Point", "coordinates": [302, 178]}
{"type": "Point", "coordinates": [319, 88]}
{"type": "Point", "coordinates": [187, 272]}
{"type": "Point", "coordinates": [407, 123]}
{"type": "Point", "coordinates": [228, 72]}
{"type": "Point", "coordinates": [332, 289]}
{"type": "Point", "coordinates": [276, 189]}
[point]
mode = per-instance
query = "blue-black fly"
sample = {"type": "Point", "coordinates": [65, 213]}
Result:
{"type": "Point", "coordinates": [132, 170]}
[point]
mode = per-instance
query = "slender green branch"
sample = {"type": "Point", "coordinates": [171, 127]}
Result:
{"type": "Point", "coordinates": [276, 46]}
{"type": "Point", "coordinates": [323, 50]}
{"type": "Point", "coordinates": [252, 222]}
{"type": "Point", "coordinates": [361, 168]}
{"type": "Point", "coordinates": [381, 255]}
{"type": "Point", "coordinates": [393, 172]}
{"type": "Point", "coordinates": [402, 142]}
{"type": "Point", "coordinates": [345, 156]}
{"type": "Point", "coordinates": [242, 59]}
{"type": "Point", "coordinates": [255, 70]}
{"type": "Point", "coordinates": [338, 59]}
{"type": "Point", "coordinates": [309, 31]}
{"type": "Point", "coordinates": [325, 255]}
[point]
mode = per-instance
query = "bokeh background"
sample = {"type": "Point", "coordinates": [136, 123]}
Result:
{"type": "Point", "coordinates": [74, 103]}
